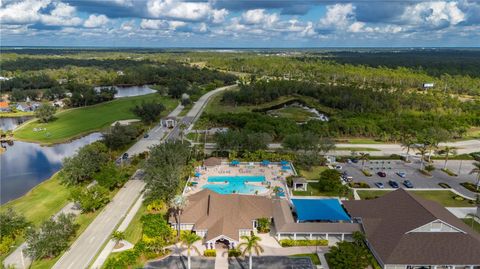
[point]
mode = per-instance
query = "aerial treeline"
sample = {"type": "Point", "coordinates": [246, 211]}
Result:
{"type": "Point", "coordinates": [28, 82]}
{"type": "Point", "coordinates": [432, 61]}
{"type": "Point", "coordinates": [367, 112]}
{"type": "Point", "coordinates": [326, 70]}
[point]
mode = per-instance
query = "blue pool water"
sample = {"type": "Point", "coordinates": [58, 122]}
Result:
{"type": "Point", "coordinates": [235, 184]}
{"type": "Point", "coordinates": [319, 210]}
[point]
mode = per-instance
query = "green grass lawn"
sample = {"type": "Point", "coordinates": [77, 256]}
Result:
{"type": "Point", "coordinates": [294, 113]}
{"type": "Point", "coordinates": [46, 199]}
{"type": "Point", "coordinates": [133, 233]}
{"type": "Point", "coordinates": [312, 256]}
{"type": "Point", "coordinates": [314, 173]}
{"type": "Point", "coordinates": [472, 224]}
{"type": "Point", "coordinates": [356, 149]}
{"type": "Point", "coordinates": [312, 190]}
{"type": "Point", "coordinates": [73, 123]}
{"type": "Point", "coordinates": [444, 198]}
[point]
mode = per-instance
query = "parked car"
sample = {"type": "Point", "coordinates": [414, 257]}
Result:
{"type": "Point", "coordinates": [381, 174]}
{"type": "Point", "coordinates": [145, 136]}
{"type": "Point", "coordinates": [354, 160]}
{"type": "Point", "coordinates": [408, 183]}
{"type": "Point", "coordinates": [125, 156]}
{"type": "Point", "coordinates": [338, 167]}
{"type": "Point", "coordinates": [379, 185]}
{"type": "Point", "coordinates": [401, 174]}
{"type": "Point", "coordinates": [393, 184]}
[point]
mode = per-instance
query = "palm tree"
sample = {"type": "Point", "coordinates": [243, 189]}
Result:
{"type": "Point", "coordinates": [422, 150]}
{"type": "Point", "coordinates": [182, 127]}
{"type": "Point", "coordinates": [476, 170]}
{"type": "Point", "coordinates": [188, 239]}
{"type": "Point", "coordinates": [447, 150]}
{"type": "Point", "coordinates": [251, 245]}
{"type": "Point", "coordinates": [118, 236]}
{"type": "Point", "coordinates": [364, 157]}
{"type": "Point", "coordinates": [177, 204]}
{"type": "Point", "coordinates": [407, 143]}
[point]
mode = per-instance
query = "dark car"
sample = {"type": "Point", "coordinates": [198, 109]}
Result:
{"type": "Point", "coordinates": [408, 184]}
{"type": "Point", "coordinates": [125, 156]}
{"type": "Point", "coordinates": [354, 160]}
{"type": "Point", "coordinates": [393, 184]}
{"type": "Point", "coordinates": [145, 136]}
{"type": "Point", "coordinates": [381, 174]}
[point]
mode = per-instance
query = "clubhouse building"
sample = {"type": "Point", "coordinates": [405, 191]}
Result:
{"type": "Point", "coordinates": [403, 231]}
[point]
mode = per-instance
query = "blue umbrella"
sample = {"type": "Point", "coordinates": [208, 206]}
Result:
{"type": "Point", "coordinates": [235, 162]}
{"type": "Point", "coordinates": [285, 167]}
{"type": "Point", "coordinates": [197, 174]}
{"type": "Point", "coordinates": [283, 162]}
{"type": "Point", "coordinates": [265, 162]}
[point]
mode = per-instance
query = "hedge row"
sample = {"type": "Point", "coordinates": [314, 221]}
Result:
{"type": "Point", "coordinates": [298, 243]}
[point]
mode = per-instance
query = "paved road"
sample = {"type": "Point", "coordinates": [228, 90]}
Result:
{"type": "Point", "coordinates": [155, 135]}
{"type": "Point", "coordinates": [89, 242]}
{"type": "Point", "coordinates": [195, 112]}
{"type": "Point", "coordinates": [463, 147]}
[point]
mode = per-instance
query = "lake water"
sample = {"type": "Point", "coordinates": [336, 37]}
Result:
{"type": "Point", "coordinates": [131, 91]}
{"type": "Point", "coordinates": [24, 165]}
{"type": "Point", "coordinates": [11, 123]}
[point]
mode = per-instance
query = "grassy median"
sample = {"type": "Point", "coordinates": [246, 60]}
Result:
{"type": "Point", "coordinates": [73, 123]}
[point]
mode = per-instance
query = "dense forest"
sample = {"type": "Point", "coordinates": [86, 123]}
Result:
{"type": "Point", "coordinates": [368, 112]}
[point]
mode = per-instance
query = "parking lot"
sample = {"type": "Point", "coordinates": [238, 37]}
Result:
{"type": "Point", "coordinates": [419, 180]}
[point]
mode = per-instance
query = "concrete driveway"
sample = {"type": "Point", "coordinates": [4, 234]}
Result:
{"type": "Point", "coordinates": [391, 167]}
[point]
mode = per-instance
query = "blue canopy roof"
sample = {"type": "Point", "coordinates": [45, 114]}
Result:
{"type": "Point", "coordinates": [265, 162]}
{"type": "Point", "coordinates": [197, 174]}
{"type": "Point", "coordinates": [285, 167]}
{"type": "Point", "coordinates": [319, 210]}
{"type": "Point", "coordinates": [283, 162]}
{"type": "Point", "coordinates": [235, 162]}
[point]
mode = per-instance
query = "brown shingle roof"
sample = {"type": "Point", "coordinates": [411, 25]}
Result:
{"type": "Point", "coordinates": [212, 161]}
{"type": "Point", "coordinates": [388, 220]}
{"type": "Point", "coordinates": [225, 214]}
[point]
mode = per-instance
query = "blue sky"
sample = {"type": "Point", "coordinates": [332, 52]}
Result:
{"type": "Point", "coordinates": [234, 23]}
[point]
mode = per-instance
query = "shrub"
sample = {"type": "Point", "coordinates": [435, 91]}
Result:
{"type": "Point", "coordinates": [458, 198]}
{"type": "Point", "coordinates": [359, 185]}
{"type": "Point", "coordinates": [5, 243]}
{"type": "Point", "coordinates": [210, 253]}
{"type": "Point", "coordinates": [449, 172]}
{"type": "Point", "coordinates": [298, 243]}
{"type": "Point", "coordinates": [123, 260]}
{"type": "Point", "coordinates": [290, 181]}
{"type": "Point", "coordinates": [444, 185]}
{"type": "Point", "coordinates": [470, 186]}
{"type": "Point", "coordinates": [366, 173]}
{"type": "Point", "coordinates": [429, 168]}
{"type": "Point", "coordinates": [234, 252]}
{"type": "Point", "coordinates": [425, 172]}
{"type": "Point", "coordinates": [263, 225]}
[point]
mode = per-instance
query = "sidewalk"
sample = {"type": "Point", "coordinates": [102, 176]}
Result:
{"type": "Point", "coordinates": [109, 247]}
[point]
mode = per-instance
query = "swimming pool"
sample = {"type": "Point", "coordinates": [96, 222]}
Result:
{"type": "Point", "coordinates": [235, 184]}
{"type": "Point", "coordinates": [319, 210]}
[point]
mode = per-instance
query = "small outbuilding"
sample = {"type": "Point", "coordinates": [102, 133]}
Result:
{"type": "Point", "coordinates": [169, 122]}
{"type": "Point", "coordinates": [212, 161]}
{"type": "Point", "coordinates": [300, 184]}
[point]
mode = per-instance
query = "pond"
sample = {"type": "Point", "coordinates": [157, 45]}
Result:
{"type": "Point", "coordinates": [12, 123]}
{"type": "Point", "coordinates": [298, 113]}
{"type": "Point", "coordinates": [24, 165]}
{"type": "Point", "coordinates": [130, 91]}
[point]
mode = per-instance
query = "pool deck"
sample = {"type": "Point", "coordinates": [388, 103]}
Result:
{"type": "Point", "coordinates": [273, 174]}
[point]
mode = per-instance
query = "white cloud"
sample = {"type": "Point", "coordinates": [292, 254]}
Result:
{"type": "Point", "coordinates": [259, 16]}
{"type": "Point", "coordinates": [219, 15]}
{"type": "Point", "coordinates": [95, 21]}
{"type": "Point", "coordinates": [338, 16]}
{"type": "Point", "coordinates": [148, 24]}
{"type": "Point", "coordinates": [30, 11]}
{"type": "Point", "coordinates": [433, 14]}
{"type": "Point", "coordinates": [128, 26]}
